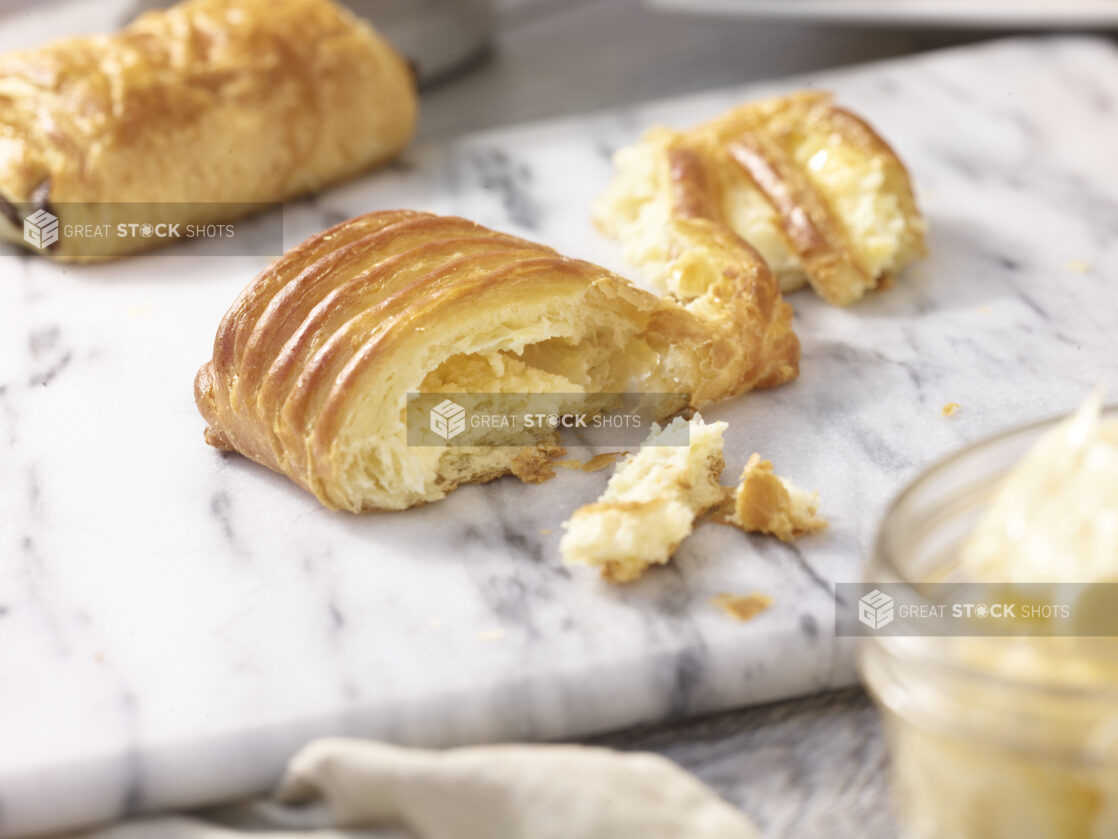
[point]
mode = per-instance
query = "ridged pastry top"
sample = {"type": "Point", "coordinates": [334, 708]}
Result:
{"type": "Point", "coordinates": [812, 187]}
{"type": "Point", "coordinates": [210, 100]}
{"type": "Point", "coordinates": [312, 363]}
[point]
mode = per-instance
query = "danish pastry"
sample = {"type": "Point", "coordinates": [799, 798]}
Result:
{"type": "Point", "coordinates": [198, 114]}
{"type": "Point", "coordinates": [313, 363]}
{"type": "Point", "coordinates": [812, 187]}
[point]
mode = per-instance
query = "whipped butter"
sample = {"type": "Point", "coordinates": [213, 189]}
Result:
{"type": "Point", "coordinates": [1054, 519]}
{"type": "Point", "coordinates": [1017, 737]}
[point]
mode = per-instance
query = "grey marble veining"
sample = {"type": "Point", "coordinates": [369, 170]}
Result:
{"type": "Point", "coordinates": [175, 622]}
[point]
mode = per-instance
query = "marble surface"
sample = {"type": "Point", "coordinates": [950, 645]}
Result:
{"type": "Point", "coordinates": [174, 622]}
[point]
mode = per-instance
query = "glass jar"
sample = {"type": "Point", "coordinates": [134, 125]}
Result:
{"type": "Point", "coordinates": [991, 737]}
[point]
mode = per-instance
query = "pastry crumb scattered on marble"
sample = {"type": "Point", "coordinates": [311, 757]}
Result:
{"type": "Point", "coordinates": [655, 497]}
{"type": "Point", "coordinates": [491, 635]}
{"type": "Point", "coordinates": [1077, 266]}
{"type": "Point", "coordinates": [651, 502]}
{"type": "Point", "coordinates": [594, 464]}
{"type": "Point", "coordinates": [601, 461]}
{"type": "Point", "coordinates": [545, 531]}
{"type": "Point", "coordinates": [984, 310]}
{"type": "Point", "coordinates": [950, 409]}
{"type": "Point", "coordinates": [764, 502]}
{"type": "Point", "coordinates": [742, 607]}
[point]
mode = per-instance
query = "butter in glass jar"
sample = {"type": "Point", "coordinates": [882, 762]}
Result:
{"type": "Point", "coordinates": [1006, 737]}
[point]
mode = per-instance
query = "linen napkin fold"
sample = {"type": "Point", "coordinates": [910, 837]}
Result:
{"type": "Point", "coordinates": [340, 788]}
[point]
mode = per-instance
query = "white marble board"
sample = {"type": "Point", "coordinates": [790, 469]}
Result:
{"type": "Point", "coordinates": [174, 623]}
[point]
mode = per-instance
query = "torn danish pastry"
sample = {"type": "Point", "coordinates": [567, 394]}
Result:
{"type": "Point", "coordinates": [812, 187]}
{"type": "Point", "coordinates": [313, 364]}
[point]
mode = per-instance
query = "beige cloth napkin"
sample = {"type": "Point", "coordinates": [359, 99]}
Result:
{"type": "Point", "coordinates": [335, 786]}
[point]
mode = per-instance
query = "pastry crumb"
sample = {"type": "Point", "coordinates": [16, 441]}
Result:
{"type": "Point", "coordinates": [598, 461]}
{"type": "Point", "coordinates": [742, 607]}
{"type": "Point", "coordinates": [950, 409]}
{"type": "Point", "coordinates": [655, 497]}
{"type": "Point", "coordinates": [533, 464]}
{"type": "Point", "coordinates": [766, 503]}
{"type": "Point", "coordinates": [1077, 266]}
{"type": "Point", "coordinates": [984, 310]}
{"type": "Point", "coordinates": [491, 635]}
{"type": "Point", "coordinates": [650, 504]}
{"type": "Point", "coordinates": [601, 461]}
{"type": "Point", "coordinates": [435, 623]}
{"type": "Point", "coordinates": [545, 531]}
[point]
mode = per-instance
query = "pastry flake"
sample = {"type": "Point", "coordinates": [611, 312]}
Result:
{"type": "Point", "coordinates": [601, 461]}
{"type": "Point", "coordinates": [650, 504]}
{"type": "Point", "coordinates": [766, 503]}
{"type": "Point", "coordinates": [808, 185]}
{"type": "Point", "coordinates": [742, 607]}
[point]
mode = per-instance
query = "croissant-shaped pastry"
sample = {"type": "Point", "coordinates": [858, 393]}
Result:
{"type": "Point", "coordinates": [313, 363]}
{"type": "Point", "coordinates": [197, 114]}
{"type": "Point", "coordinates": [812, 187]}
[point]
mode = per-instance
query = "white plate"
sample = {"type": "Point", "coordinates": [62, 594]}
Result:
{"type": "Point", "coordinates": [1075, 14]}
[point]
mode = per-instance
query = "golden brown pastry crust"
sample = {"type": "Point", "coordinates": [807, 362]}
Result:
{"type": "Point", "coordinates": [759, 147]}
{"type": "Point", "coordinates": [766, 503]}
{"type": "Point", "coordinates": [209, 102]}
{"type": "Point", "coordinates": [312, 363]}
